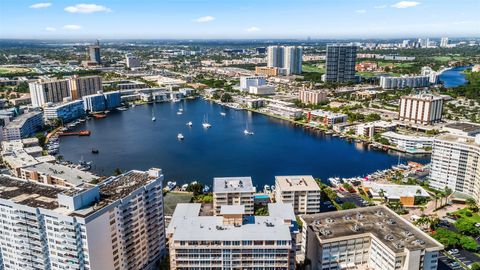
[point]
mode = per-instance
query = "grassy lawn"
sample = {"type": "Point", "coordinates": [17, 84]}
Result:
{"type": "Point", "coordinates": [313, 68]}
{"type": "Point", "coordinates": [7, 70]}
{"type": "Point", "coordinates": [173, 198]}
{"type": "Point", "coordinates": [463, 212]}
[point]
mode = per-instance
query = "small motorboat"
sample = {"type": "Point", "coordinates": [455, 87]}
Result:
{"type": "Point", "coordinates": [180, 136]}
{"type": "Point", "coordinates": [95, 151]}
{"type": "Point", "coordinates": [223, 113]}
{"type": "Point", "coordinates": [248, 132]}
{"type": "Point", "coordinates": [189, 123]}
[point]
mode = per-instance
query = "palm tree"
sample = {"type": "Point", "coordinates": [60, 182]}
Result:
{"type": "Point", "coordinates": [472, 205]}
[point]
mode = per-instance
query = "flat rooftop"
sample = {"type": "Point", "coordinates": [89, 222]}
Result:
{"type": "Point", "coordinates": [466, 127]}
{"type": "Point", "coordinates": [38, 195]}
{"type": "Point", "coordinates": [457, 139]}
{"type": "Point", "coordinates": [188, 226]}
{"type": "Point", "coordinates": [389, 228]}
{"type": "Point", "coordinates": [393, 191]}
{"type": "Point", "coordinates": [29, 193]}
{"type": "Point", "coordinates": [71, 175]}
{"type": "Point", "coordinates": [296, 183]}
{"type": "Point", "coordinates": [233, 184]}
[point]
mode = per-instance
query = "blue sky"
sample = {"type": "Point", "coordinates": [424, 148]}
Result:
{"type": "Point", "coordinates": [195, 19]}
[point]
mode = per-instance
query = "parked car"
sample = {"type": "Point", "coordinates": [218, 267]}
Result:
{"type": "Point", "coordinates": [453, 251]}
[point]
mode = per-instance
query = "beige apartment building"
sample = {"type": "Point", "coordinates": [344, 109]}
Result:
{"type": "Point", "coordinates": [312, 97]}
{"type": "Point", "coordinates": [266, 71]}
{"type": "Point", "coordinates": [233, 191]}
{"type": "Point", "coordinates": [302, 191]}
{"type": "Point", "coordinates": [231, 241]}
{"type": "Point", "coordinates": [373, 238]}
{"type": "Point", "coordinates": [84, 86]}
{"type": "Point", "coordinates": [422, 109]}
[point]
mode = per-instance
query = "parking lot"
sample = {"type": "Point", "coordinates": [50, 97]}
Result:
{"type": "Point", "coordinates": [351, 197]}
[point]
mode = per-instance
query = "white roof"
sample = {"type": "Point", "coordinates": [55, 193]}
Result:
{"type": "Point", "coordinates": [393, 191]}
{"type": "Point", "coordinates": [296, 183]}
{"type": "Point", "coordinates": [232, 209]}
{"type": "Point", "coordinates": [233, 184]}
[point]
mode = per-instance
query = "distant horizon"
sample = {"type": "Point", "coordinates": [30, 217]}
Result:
{"type": "Point", "coordinates": [238, 19]}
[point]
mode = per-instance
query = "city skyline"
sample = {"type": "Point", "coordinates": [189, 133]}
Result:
{"type": "Point", "coordinates": [208, 19]}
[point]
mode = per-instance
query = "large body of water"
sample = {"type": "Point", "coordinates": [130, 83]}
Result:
{"type": "Point", "coordinates": [454, 77]}
{"type": "Point", "coordinates": [130, 140]}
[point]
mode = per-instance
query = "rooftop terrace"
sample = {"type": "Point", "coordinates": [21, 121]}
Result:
{"type": "Point", "coordinates": [389, 228]}
{"type": "Point", "coordinates": [233, 184]}
{"type": "Point", "coordinates": [296, 183]}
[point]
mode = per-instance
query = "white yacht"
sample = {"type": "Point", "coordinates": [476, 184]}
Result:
{"type": "Point", "coordinates": [205, 123]}
{"type": "Point", "coordinates": [247, 131]}
{"type": "Point", "coordinates": [223, 113]}
{"type": "Point", "coordinates": [189, 123]}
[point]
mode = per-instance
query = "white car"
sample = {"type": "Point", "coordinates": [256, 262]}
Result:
{"type": "Point", "coordinates": [453, 251]}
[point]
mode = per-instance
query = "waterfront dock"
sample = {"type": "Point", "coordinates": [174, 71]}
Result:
{"type": "Point", "coordinates": [77, 133]}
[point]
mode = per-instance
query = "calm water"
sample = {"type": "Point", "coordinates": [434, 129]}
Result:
{"type": "Point", "coordinates": [130, 140]}
{"type": "Point", "coordinates": [454, 77]}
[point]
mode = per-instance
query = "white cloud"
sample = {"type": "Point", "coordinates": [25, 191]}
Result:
{"type": "Point", "coordinates": [72, 27]}
{"type": "Point", "coordinates": [405, 4]}
{"type": "Point", "coordinates": [41, 5]}
{"type": "Point", "coordinates": [87, 8]}
{"type": "Point", "coordinates": [381, 6]}
{"type": "Point", "coordinates": [252, 29]}
{"type": "Point", "coordinates": [205, 19]}
{"type": "Point", "coordinates": [50, 29]}
{"type": "Point", "coordinates": [361, 11]}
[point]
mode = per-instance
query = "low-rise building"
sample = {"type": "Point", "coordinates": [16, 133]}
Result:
{"type": "Point", "coordinates": [328, 118]}
{"type": "Point", "coordinates": [405, 81]}
{"type": "Point", "coordinates": [66, 112]}
{"type": "Point", "coordinates": [56, 175]}
{"type": "Point", "coordinates": [233, 191]}
{"type": "Point", "coordinates": [301, 191]}
{"type": "Point", "coordinates": [284, 111]}
{"type": "Point", "coordinates": [407, 195]}
{"type": "Point", "coordinates": [267, 71]}
{"type": "Point", "coordinates": [409, 143]}
{"type": "Point", "coordinates": [232, 240]}
{"type": "Point", "coordinates": [262, 90]}
{"type": "Point", "coordinates": [462, 129]}
{"type": "Point", "coordinates": [370, 129]}
{"type": "Point", "coordinates": [25, 125]}
{"type": "Point", "coordinates": [371, 237]}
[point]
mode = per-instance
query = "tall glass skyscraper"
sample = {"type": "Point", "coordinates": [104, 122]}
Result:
{"type": "Point", "coordinates": [340, 64]}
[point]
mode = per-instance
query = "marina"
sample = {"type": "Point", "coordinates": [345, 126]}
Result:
{"type": "Point", "coordinates": [129, 139]}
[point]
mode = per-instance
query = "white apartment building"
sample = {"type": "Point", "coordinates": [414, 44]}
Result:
{"type": "Point", "coordinates": [232, 241]}
{"type": "Point", "coordinates": [116, 225]}
{"type": "Point", "coordinates": [286, 58]}
{"type": "Point", "coordinates": [45, 91]}
{"type": "Point", "coordinates": [262, 90]}
{"type": "Point", "coordinates": [328, 117]}
{"type": "Point", "coordinates": [456, 164]}
{"type": "Point", "coordinates": [312, 97]}
{"type": "Point", "coordinates": [404, 82]}
{"type": "Point", "coordinates": [302, 191]}
{"type": "Point", "coordinates": [366, 238]}
{"type": "Point", "coordinates": [292, 62]}
{"type": "Point", "coordinates": [23, 126]}
{"type": "Point", "coordinates": [233, 191]}
{"type": "Point", "coordinates": [408, 143]}
{"type": "Point", "coordinates": [368, 130]}
{"type": "Point", "coordinates": [247, 81]}
{"type": "Point", "coordinates": [432, 74]}
{"type": "Point", "coordinates": [421, 109]}
{"type": "Point", "coordinates": [444, 42]}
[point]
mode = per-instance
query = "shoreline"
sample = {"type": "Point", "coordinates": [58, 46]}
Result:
{"type": "Point", "coordinates": [377, 145]}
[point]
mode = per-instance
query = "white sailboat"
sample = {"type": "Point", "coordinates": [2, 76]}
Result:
{"type": "Point", "coordinates": [247, 131]}
{"type": "Point", "coordinates": [205, 123]}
